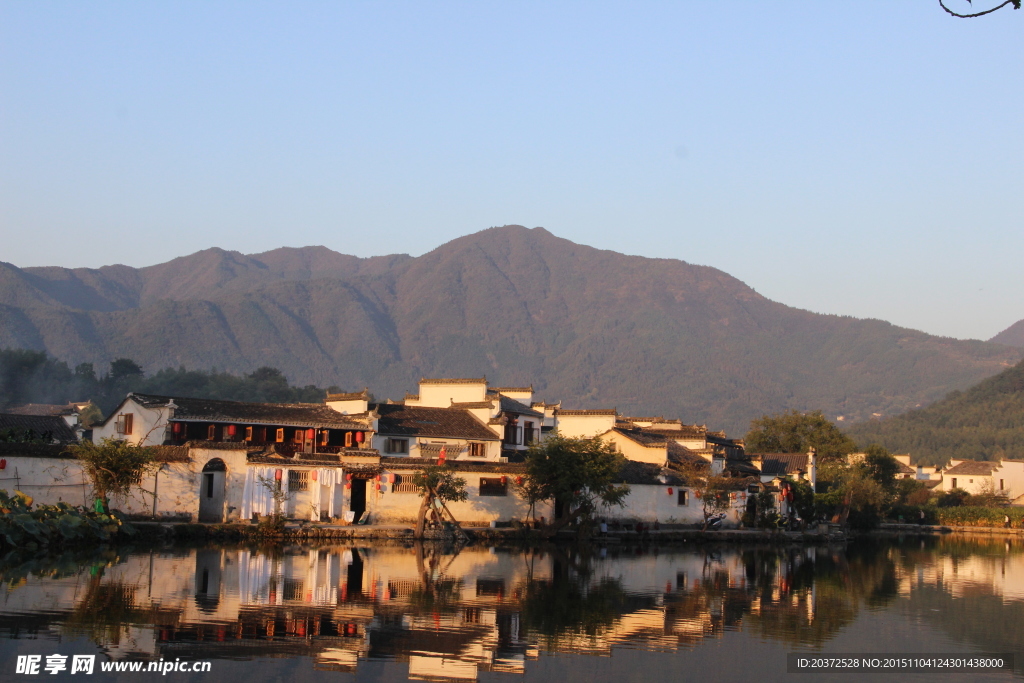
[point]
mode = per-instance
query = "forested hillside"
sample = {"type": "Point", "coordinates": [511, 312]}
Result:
{"type": "Point", "coordinates": [32, 377]}
{"type": "Point", "coordinates": [985, 422]}
{"type": "Point", "coordinates": [589, 327]}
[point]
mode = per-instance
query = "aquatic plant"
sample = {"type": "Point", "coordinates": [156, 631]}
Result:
{"type": "Point", "coordinates": [24, 525]}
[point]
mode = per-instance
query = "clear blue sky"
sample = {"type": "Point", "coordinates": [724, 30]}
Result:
{"type": "Point", "coordinates": [858, 158]}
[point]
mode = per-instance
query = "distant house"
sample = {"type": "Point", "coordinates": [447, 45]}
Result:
{"type": "Point", "coordinates": [51, 429]}
{"type": "Point", "coordinates": [69, 411]}
{"type": "Point", "coordinates": [506, 411]}
{"type": "Point", "coordinates": [1002, 477]}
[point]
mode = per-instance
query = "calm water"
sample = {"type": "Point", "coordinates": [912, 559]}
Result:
{"type": "Point", "coordinates": [391, 613]}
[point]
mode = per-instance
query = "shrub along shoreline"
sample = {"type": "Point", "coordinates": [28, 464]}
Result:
{"type": "Point", "coordinates": [24, 526]}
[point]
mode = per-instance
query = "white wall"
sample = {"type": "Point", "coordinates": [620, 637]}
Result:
{"type": "Point", "coordinates": [442, 395]}
{"type": "Point", "coordinates": [148, 429]}
{"type": "Point", "coordinates": [583, 425]}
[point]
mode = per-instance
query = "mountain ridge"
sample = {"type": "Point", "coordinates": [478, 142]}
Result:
{"type": "Point", "coordinates": [589, 326]}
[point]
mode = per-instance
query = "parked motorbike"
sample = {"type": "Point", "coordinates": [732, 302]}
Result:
{"type": "Point", "coordinates": [715, 522]}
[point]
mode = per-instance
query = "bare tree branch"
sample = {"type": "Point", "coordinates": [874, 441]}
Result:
{"type": "Point", "coordinates": [1015, 3]}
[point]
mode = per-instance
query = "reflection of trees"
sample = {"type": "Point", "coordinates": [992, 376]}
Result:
{"type": "Point", "coordinates": [807, 598]}
{"type": "Point", "coordinates": [105, 611]}
{"type": "Point", "coordinates": [436, 591]}
{"type": "Point", "coordinates": [571, 604]}
{"type": "Point", "coordinates": [16, 567]}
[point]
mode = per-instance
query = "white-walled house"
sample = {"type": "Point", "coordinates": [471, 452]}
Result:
{"type": "Point", "coordinates": [1005, 477]}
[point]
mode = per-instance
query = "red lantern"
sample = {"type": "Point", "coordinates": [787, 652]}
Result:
{"type": "Point", "coordinates": [348, 484]}
{"type": "Point", "coordinates": [670, 490]}
{"type": "Point", "coordinates": [519, 481]}
{"type": "Point", "coordinates": [348, 476]}
{"type": "Point", "coordinates": [504, 480]}
{"type": "Point", "coordinates": [231, 430]}
{"type": "Point", "coordinates": [278, 474]}
{"type": "Point", "coordinates": [313, 475]}
{"type": "Point", "coordinates": [359, 437]}
{"type": "Point", "coordinates": [3, 463]}
{"type": "Point", "coordinates": [177, 427]}
{"type": "Point", "coordinates": [310, 434]}
{"type": "Point", "coordinates": [378, 486]}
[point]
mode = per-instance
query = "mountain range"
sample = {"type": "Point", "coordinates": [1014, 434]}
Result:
{"type": "Point", "coordinates": [591, 327]}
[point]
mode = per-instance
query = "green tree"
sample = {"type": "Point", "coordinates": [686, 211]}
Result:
{"type": "Point", "coordinates": [796, 432]}
{"type": "Point", "coordinates": [113, 467]}
{"type": "Point", "coordinates": [879, 464]}
{"type": "Point", "coordinates": [438, 485]}
{"type": "Point", "coordinates": [576, 473]}
{"type": "Point", "coordinates": [712, 491]}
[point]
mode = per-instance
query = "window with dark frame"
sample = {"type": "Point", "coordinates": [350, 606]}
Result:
{"type": "Point", "coordinates": [397, 445]}
{"type": "Point", "coordinates": [298, 480]}
{"type": "Point", "coordinates": [279, 437]}
{"type": "Point", "coordinates": [477, 450]}
{"type": "Point", "coordinates": [211, 433]}
{"type": "Point", "coordinates": [493, 486]}
{"type": "Point", "coordinates": [124, 423]}
{"type": "Point", "coordinates": [682, 498]}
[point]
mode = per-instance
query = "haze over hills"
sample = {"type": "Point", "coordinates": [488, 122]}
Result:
{"type": "Point", "coordinates": [591, 327]}
{"type": "Point", "coordinates": [985, 422]}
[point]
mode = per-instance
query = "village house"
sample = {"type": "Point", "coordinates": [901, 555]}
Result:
{"type": "Point", "coordinates": [1000, 477]}
{"type": "Point", "coordinates": [52, 429]}
{"type": "Point", "coordinates": [352, 459]}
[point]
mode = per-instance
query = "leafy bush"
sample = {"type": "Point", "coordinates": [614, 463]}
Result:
{"type": "Point", "coordinates": [952, 499]}
{"type": "Point", "coordinates": [22, 525]}
{"type": "Point", "coordinates": [980, 516]}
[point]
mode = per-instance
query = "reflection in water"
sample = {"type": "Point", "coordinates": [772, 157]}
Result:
{"type": "Point", "coordinates": [452, 614]}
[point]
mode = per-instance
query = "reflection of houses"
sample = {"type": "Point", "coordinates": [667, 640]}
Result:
{"type": "Point", "coordinates": [445, 616]}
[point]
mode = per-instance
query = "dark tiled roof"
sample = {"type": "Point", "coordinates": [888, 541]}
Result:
{"type": "Point", "coordinates": [473, 404]}
{"type": "Point", "coordinates": [291, 414]}
{"type": "Point", "coordinates": [34, 450]}
{"type": "Point", "coordinates": [639, 473]}
{"type": "Point", "coordinates": [171, 453]}
{"type": "Point", "coordinates": [402, 420]}
{"type": "Point", "coordinates": [976, 467]}
{"type": "Point", "coordinates": [643, 438]}
{"type": "Point", "coordinates": [457, 465]}
{"type": "Point", "coordinates": [594, 411]}
{"type": "Point", "coordinates": [509, 405]}
{"type": "Point", "coordinates": [43, 409]}
{"type": "Point", "coordinates": [365, 393]}
{"type": "Point", "coordinates": [684, 431]}
{"type": "Point", "coordinates": [905, 469]}
{"type": "Point", "coordinates": [781, 464]}
{"type": "Point", "coordinates": [42, 427]}
{"type": "Point", "coordinates": [499, 390]}
{"type": "Point", "coordinates": [742, 466]}
{"type": "Point", "coordinates": [455, 380]}
{"type": "Point", "coordinates": [678, 455]}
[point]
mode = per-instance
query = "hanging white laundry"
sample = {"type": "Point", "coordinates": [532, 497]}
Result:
{"type": "Point", "coordinates": [247, 493]}
{"type": "Point", "coordinates": [314, 502]}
